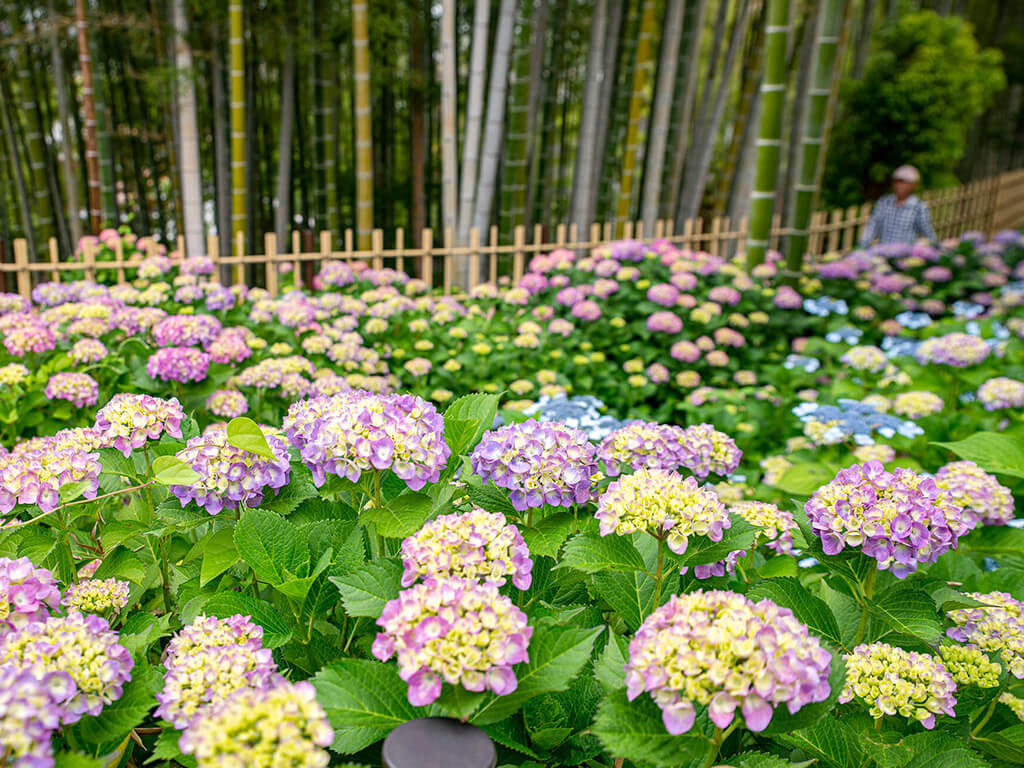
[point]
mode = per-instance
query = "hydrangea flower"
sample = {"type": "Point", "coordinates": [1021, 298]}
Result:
{"type": "Point", "coordinates": [207, 661]}
{"type": "Point", "coordinates": [540, 463]}
{"type": "Point", "coordinates": [915, 405]}
{"type": "Point", "coordinates": [720, 650]}
{"type": "Point", "coordinates": [456, 631]}
{"type": "Point", "coordinates": [29, 714]}
{"type": "Point", "coordinates": [29, 337]}
{"type": "Point", "coordinates": [830, 424]}
{"type": "Point", "coordinates": [582, 412]}
{"type": "Point", "coordinates": [1015, 704]}
{"type": "Point", "coordinates": [358, 431]}
{"type": "Point", "coordinates": [706, 450]}
{"type": "Point", "coordinates": [967, 665]}
{"type": "Point", "coordinates": [128, 421]}
{"type": "Point", "coordinates": [956, 349]}
{"type": "Point", "coordinates": [995, 626]}
{"type": "Point", "coordinates": [642, 445]}
{"type": "Point", "coordinates": [227, 403]}
{"type": "Point", "coordinates": [79, 389]}
{"type": "Point", "coordinates": [892, 681]}
{"type": "Point", "coordinates": [775, 531]}
{"type": "Point", "coordinates": [231, 476]}
{"type": "Point", "coordinates": [979, 493]}
{"type": "Point", "coordinates": [1001, 392]}
{"type": "Point", "coordinates": [663, 504]}
{"type": "Point", "coordinates": [900, 518]}
{"type": "Point", "coordinates": [474, 545]}
{"type": "Point", "coordinates": [35, 473]}
{"type": "Point", "coordinates": [182, 364]}
{"type": "Point", "coordinates": [186, 330]}
{"type": "Point", "coordinates": [97, 595]}
{"type": "Point", "coordinates": [281, 726]}
{"type": "Point", "coordinates": [81, 645]}
{"type": "Point", "coordinates": [865, 358]}
{"type": "Point", "coordinates": [27, 593]}
{"type": "Point", "coordinates": [878, 452]}
{"type": "Point", "coordinates": [774, 468]}
{"type": "Point", "coordinates": [88, 351]}
{"type": "Point", "coordinates": [13, 374]}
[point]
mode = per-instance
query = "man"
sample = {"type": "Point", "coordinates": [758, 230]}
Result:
{"type": "Point", "coordinates": [901, 217]}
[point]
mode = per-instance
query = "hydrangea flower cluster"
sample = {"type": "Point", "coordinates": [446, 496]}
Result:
{"type": "Point", "coordinates": [35, 474]}
{"type": "Point", "coordinates": [29, 337]}
{"type": "Point", "coordinates": [956, 349]}
{"type": "Point", "coordinates": [829, 424]}
{"type": "Point", "coordinates": [979, 493]}
{"type": "Point", "coordinates": [663, 504]}
{"type": "Point", "coordinates": [358, 431]}
{"type": "Point", "coordinates": [915, 405]}
{"type": "Point", "coordinates": [227, 403]}
{"type": "Point", "coordinates": [996, 626]}
{"type": "Point", "coordinates": [207, 661]}
{"type": "Point", "coordinates": [453, 630]}
{"type": "Point", "coordinates": [88, 351]}
{"type": "Point", "coordinates": [968, 665]}
{"type": "Point", "coordinates": [1001, 392]}
{"type": "Point", "coordinates": [231, 476]}
{"type": "Point", "coordinates": [97, 595]}
{"type": "Point", "coordinates": [706, 450]}
{"type": "Point", "coordinates": [81, 645]}
{"type": "Point", "coordinates": [280, 726]}
{"type": "Point", "coordinates": [719, 649]}
{"type": "Point", "coordinates": [865, 358]}
{"type": "Point", "coordinates": [900, 518]}
{"type": "Point", "coordinates": [186, 330]}
{"type": "Point", "coordinates": [775, 525]}
{"type": "Point", "coordinates": [29, 714]}
{"type": "Point", "coordinates": [1015, 703]}
{"type": "Point", "coordinates": [79, 389]}
{"type": "Point", "coordinates": [128, 421]}
{"type": "Point", "coordinates": [182, 364]}
{"type": "Point", "coordinates": [12, 374]}
{"type": "Point", "coordinates": [474, 545]}
{"type": "Point", "coordinates": [582, 412]}
{"type": "Point", "coordinates": [642, 445]}
{"type": "Point", "coordinates": [27, 593]}
{"type": "Point", "coordinates": [893, 681]}
{"type": "Point", "coordinates": [540, 463]}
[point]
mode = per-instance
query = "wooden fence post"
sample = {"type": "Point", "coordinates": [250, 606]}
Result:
{"type": "Point", "coordinates": [89, 261]}
{"type": "Point", "coordinates": [21, 259]}
{"type": "Point", "coordinates": [240, 254]}
{"type": "Point", "coordinates": [427, 260]}
{"type": "Point", "coordinates": [297, 264]}
{"type": "Point", "coordinates": [400, 249]}
{"type": "Point", "coordinates": [55, 258]}
{"type": "Point", "coordinates": [270, 249]}
{"type": "Point", "coordinates": [518, 239]}
{"type": "Point", "coordinates": [213, 251]}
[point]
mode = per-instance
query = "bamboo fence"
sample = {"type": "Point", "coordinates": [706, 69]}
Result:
{"type": "Point", "coordinates": [987, 205]}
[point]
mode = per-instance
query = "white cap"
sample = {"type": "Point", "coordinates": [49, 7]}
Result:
{"type": "Point", "coordinates": [907, 173]}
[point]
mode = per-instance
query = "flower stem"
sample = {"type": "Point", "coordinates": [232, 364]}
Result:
{"type": "Point", "coordinates": [658, 576]}
{"type": "Point", "coordinates": [165, 574]}
{"type": "Point", "coordinates": [716, 743]}
{"type": "Point", "coordinates": [988, 716]}
{"type": "Point", "coordinates": [868, 592]}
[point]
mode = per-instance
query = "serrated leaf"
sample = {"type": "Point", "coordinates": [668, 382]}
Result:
{"type": "Point", "coordinates": [121, 563]}
{"type": "Point", "coordinates": [592, 553]}
{"type": "Point", "coordinates": [400, 517]}
{"type": "Point", "coordinates": [810, 610]}
{"type": "Point", "coordinates": [510, 734]}
{"type": "Point", "coordinates": [115, 722]}
{"type": "Point", "coordinates": [364, 700]}
{"type": "Point", "coordinates": [271, 546]}
{"type": "Point", "coordinates": [765, 760]}
{"type": "Point", "coordinates": [285, 501]}
{"type": "Point", "coordinates": [64, 759]}
{"type": "Point", "coordinates": [245, 434]}
{"type": "Point", "coordinates": [635, 730]}
{"type": "Point", "coordinates": [226, 604]}
{"type": "Point", "coordinates": [366, 590]}
{"type": "Point", "coordinates": [701, 550]}
{"type": "Point", "coordinates": [545, 537]}
{"type": "Point", "coordinates": [991, 451]}
{"type": "Point", "coordinates": [71, 491]}
{"type": "Point", "coordinates": [631, 595]}
{"type": "Point", "coordinates": [610, 667]}
{"type": "Point", "coordinates": [804, 479]}
{"type": "Point", "coordinates": [170, 470]}
{"type": "Point", "coordinates": [113, 462]}
{"type": "Point", "coordinates": [219, 554]}
{"type": "Point", "coordinates": [476, 411]}
{"type": "Point", "coordinates": [829, 741]}
{"type": "Point", "coordinates": [491, 498]}
{"type": "Point", "coordinates": [141, 630]}
{"type": "Point", "coordinates": [166, 748]}
{"type": "Point", "coordinates": [906, 610]}
{"type": "Point", "coordinates": [556, 656]}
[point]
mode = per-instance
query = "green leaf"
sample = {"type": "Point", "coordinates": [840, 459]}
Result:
{"type": "Point", "coordinates": [804, 479]}
{"type": "Point", "coordinates": [701, 550]}
{"type": "Point", "coordinates": [141, 630]}
{"type": "Point", "coordinates": [400, 517]}
{"type": "Point", "coordinates": [812, 611]}
{"type": "Point", "coordinates": [366, 591]}
{"type": "Point", "coordinates": [470, 416]}
{"type": "Point", "coordinates": [122, 563]}
{"type": "Point", "coordinates": [610, 667]}
{"type": "Point", "coordinates": [225, 604]}
{"type": "Point", "coordinates": [71, 491]}
{"type": "Point", "coordinates": [491, 498]}
{"type": "Point", "coordinates": [116, 721]}
{"type": "Point", "coordinates": [219, 554]}
{"type": "Point", "coordinates": [298, 490]}
{"type": "Point", "coordinates": [1007, 744]}
{"type": "Point", "coordinates": [170, 470]}
{"type": "Point", "coordinates": [828, 740]}
{"type": "Point", "coordinates": [246, 434]}
{"type": "Point", "coordinates": [765, 760]}
{"type": "Point", "coordinates": [991, 451]}
{"type": "Point", "coordinates": [77, 760]}
{"type": "Point", "coordinates": [591, 553]}
{"type": "Point", "coordinates": [113, 462]}
{"type": "Point", "coordinates": [166, 748]}
{"type": "Point", "coordinates": [557, 654]}
{"type": "Point", "coordinates": [458, 703]}
{"type": "Point", "coordinates": [630, 595]}
{"type": "Point", "coordinates": [635, 730]}
{"type": "Point", "coordinates": [907, 610]}
{"type": "Point", "coordinates": [511, 735]}
{"type": "Point", "coordinates": [545, 537]}
{"type": "Point", "coordinates": [271, 546]}
{"type": "Point", "coordinates": [364, 700]}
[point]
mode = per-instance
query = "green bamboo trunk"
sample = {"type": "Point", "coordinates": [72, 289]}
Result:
{"type": "Point", "coordinates": [814, 128]}
{"type": "Point", "coordinates": [364, 135]}
{"type": "Point", "coordinates": [108, 193]}
{"type": "Point", "coordinates": [36, 148]}
{"type": "Point", "coordinates": [236, 51]}
{"type": "Point", "coordinates": [514, 174]}
{"type": "Point", "coordinates": [636, 136]}
{"type": "Point", "coordinates": [773, 96]}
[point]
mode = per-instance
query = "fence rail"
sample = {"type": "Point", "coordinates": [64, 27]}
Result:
{"type": "Point", "coordinates": [987, 205]}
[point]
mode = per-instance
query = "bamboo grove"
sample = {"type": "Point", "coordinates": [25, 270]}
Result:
{"type": "Point", "coordinates": [189, 117]}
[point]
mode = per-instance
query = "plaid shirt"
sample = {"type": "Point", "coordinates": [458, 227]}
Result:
{"type": "Point", "coordinates": [892, 223]}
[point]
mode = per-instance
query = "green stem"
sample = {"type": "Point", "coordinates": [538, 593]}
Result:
{"type": "Point", "coordinates": [988, 716]}
{"type": "Point", "coordinates": [165, 574]}
{"type": "Point", "coordinates": [380, 505]}
{"type": "Point", "coordinates": [716, 743]}
{"type": "Point", "coordinates": [658, 576]}
{"type": "Point", "coordinates": [868, 592]}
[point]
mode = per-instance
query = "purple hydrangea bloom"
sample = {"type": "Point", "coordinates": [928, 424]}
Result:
{"type": "Point", "coordinates": [182, 364]}
{"type": "Point", "coordinates": [30, 713]}
{"type": "Point", "coordinates": [27, 593]}
{"type": "Point", "coordinates": [128, 420]}
{"type": "Point", "coordinates": [186, 330]}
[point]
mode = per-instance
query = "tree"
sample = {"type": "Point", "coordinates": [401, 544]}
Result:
{"type": "Point", "coordinates": [364, 134]}
{"type": "Point", "coordinates": [449, 118]}
{"type": "Point", "coordinates": [188, 132]}
{"type": "Point", "coordinates": [236, 48]}
{"type": "Point", "coordinates": [920, 93]}
{"type": "Point", "coordinates": [474, 118]}
{"type": "Point", "coordinates": [92, 152]}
